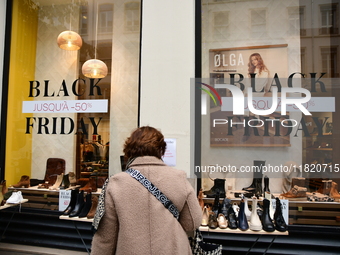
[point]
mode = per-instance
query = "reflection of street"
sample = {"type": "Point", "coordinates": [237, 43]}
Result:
{"type": "Point", "coordinates": [254, 135]}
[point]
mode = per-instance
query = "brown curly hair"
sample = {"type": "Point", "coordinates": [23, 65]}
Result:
{"type": "Point", "coordinates": [144, 141]}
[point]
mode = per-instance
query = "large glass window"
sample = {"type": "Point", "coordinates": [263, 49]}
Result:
{"type": "Point", "coordinates": [55, 108]}
{"type": "Point", "coordinates": [272, 46]}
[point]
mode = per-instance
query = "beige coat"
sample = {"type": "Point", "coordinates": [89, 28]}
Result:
{"type": "Point", "coordinates": [135, 222]}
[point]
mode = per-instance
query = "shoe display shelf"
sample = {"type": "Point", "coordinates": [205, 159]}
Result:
{"type": "Point", "coordinates": [40, 198]}
{"type": "Point", "coordinates": [66, 217]}
{"type": "Point", "coordinates": [314, 213]}
{"type": "Point", "coordinates": [238, 231]}
{"type": "Point", "coordinates": [5, 206]}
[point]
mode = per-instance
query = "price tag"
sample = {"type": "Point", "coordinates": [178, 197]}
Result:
{"type": "Point", "coordinates": [64, 199]}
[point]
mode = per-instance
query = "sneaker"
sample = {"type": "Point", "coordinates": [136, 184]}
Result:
{"type": "Point", "coordinates": [15, 198]}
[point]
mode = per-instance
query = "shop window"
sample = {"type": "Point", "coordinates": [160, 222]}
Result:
{"type": "Point", "coordinates": [258, 49]}
{"type": "Point", "coordinates": [328, 19]}
{"type": "Point", "coordinates": [221, 25]}
{"type": "Point", "coordinates": [41, 74]}
{"type": "Point", "coordinates": [132, 17]}
{"type": "Point", "coordinates": [258, 23]}
{"type": "Point", "coordinates": [105, 23]}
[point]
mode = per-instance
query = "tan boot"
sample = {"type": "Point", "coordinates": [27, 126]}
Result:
{"type": "Point", "coordinates": [91, 185]}
{"type": "Point", "coordinates": [93, 209]}
{"type": "Point", "coordinates": [325, 187]}
{"type": "Point", "coordinates": [334, 193]}
{"type": "Point", "coordinates": [24, 182]}
{"type": "Point", "coordinates": [296, 192]}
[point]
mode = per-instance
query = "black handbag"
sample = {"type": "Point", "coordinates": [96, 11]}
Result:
{"type": "Point", "coordinates": [198, 246]}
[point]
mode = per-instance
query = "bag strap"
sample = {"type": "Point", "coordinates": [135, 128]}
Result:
{"type": "Point", "coordinates": [154, 191]}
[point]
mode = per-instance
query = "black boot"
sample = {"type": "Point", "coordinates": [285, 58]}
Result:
{"type": "Point", "coordinates": [79, 205]}
{"type": "Point", "coordinates": [280, 224]}
{"type": "Point", "coordinates": [216, 206]}
{"type": "Point", "coordinates": [232, 221]}
{"type": "Point", "coordinates": [87, 206]}
{"type": "Point", "coordinates": [266, 184]}
{"type": "Point", "coordinates": [242, 219]}
{"type": "Point", "coordinates": [72, 203]}
{"type": "Point", "coordinates": [225, 207]}
{"type": "Point", "coordinates": [219, 184]}
{"type": "Point", "coordinates": [267, 223]}
{"type": "Point", "coordinates": [257, 178]}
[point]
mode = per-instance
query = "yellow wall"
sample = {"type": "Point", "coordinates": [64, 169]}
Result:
{"type": "Point", "coordinates": [22, 69]}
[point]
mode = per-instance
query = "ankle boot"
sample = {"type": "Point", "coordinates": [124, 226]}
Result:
{"type": "Point", "coordinates": [72, 178]}
{"type": "Point", "coordinates": [257, 178]}
{"type": "Point", "coordinates": [232, 219]}
{"type": "Point", "coordinates": [242, 219]}
{"type": "Point", "coordinates": [205, 217]}
{"type": "Point", "coordinates": [216, 205]}
{"type": "Point", "coordinates": [255, 222]}
{"type": "Point", "coordinates": [325, 187]}
{"type": "Point", "coordinates": [267, 223]}
{"type": "Point", "coordinates": [296, 192]}
{"type": "Point", "coordinates": [87, 206]}
{"type": "Point", "coordinates": [247, 212]}
{"type": "Point", "coordinates": [93, 209]}
{"type": "Point", "coordinates": [280, 224]}
{"type": "Point", "coordinates": [271, 208]}
{"type": "Point", "coordinates": [65, 182]}
{"type": "Point", "coordinates": [72, 203]}
{"type": "Point", "coordinates": [4, 187]}
{"type": "Point", "coordinates": [225, 207]}
{"type": "Point", "coordinates": [57, 183]}
{"type": "Point", "coordinates": [266, 184]}
{"type": "Point", "coordinates": [219, 184]}
{"type": "Point", "coordinates": [24, 182]}
{"type": "Point", "coordinates": [91, 185]}
{"type": "Point", "coordinates": [200, 198]}
{"type": "Point", "coordinates": [79, 204]}
{"type": "Point", "coordinates": [334, 193]}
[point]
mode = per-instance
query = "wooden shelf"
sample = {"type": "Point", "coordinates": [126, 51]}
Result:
{"type": "Point", "coordinates": [238, 231]}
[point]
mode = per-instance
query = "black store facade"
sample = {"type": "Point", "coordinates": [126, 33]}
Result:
{"type": "Point", "coordinates": [170, 64]}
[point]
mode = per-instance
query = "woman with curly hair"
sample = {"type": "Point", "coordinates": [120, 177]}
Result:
{"type": "Point", "coordinates": [257, 67]}
{"type": "Point", "coordinates": [134, 221]}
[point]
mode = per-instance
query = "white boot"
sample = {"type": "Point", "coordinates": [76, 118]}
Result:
{"type": "Point", "coordinates": [255, 222]}
{"type": "Point", "coordinates": [246, 208]}
{"type": "Point", "coordinates": [271, 208]}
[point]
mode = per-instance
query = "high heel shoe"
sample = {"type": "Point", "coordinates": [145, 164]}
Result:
{"type": "Point", "coordinates": [24, 182]}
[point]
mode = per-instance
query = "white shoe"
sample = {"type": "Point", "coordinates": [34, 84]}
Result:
{"type": "Point", "coordinates": [255, 223]}
{"type": "Point", "coordinates": [246, 209]}
{"type": "Point", "coordinates": [15, 198]}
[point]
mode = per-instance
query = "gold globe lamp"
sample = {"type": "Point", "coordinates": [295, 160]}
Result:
{"type": "Point", "coordinates": [69, 40]}
{"type": "Point", "coordinates": [94, 68]}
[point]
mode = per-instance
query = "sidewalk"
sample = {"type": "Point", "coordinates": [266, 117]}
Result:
{"type": "Point", "coordinates": [17, 249]}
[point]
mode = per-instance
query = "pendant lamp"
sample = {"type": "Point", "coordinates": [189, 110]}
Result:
{"type": "Point", "coordinates": [69, 40]}
{"type": "Point", "coordinates": [94, 68]}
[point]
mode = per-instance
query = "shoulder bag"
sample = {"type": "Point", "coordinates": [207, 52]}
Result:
{"type": "Point", "coordinates": [198, 246]}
